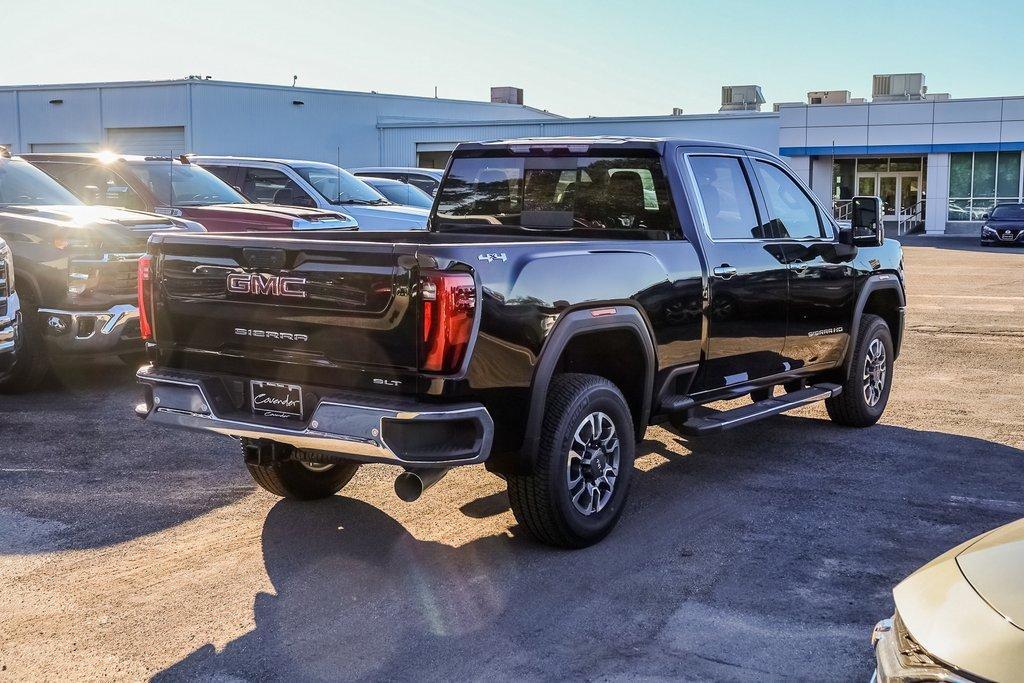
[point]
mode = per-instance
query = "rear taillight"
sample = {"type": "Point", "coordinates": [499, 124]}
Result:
{"type": "Point", "coordinates": [449, 304]}
{"type": "Point", "coordinates": [145, 280]}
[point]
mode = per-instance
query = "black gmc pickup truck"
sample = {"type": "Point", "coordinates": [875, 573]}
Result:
{"type": "Point", "coordinates": [569, 293]}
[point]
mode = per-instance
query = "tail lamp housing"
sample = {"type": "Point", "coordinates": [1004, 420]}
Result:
{"type": "Point", "coordinates": [145, 296]}
{"type": "Point", "coordinates": [446, 321]}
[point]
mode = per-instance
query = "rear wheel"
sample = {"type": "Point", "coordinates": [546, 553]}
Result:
{"type": "Point", "coordinates": [866, 389]}
{"type": "Point", "coordinates": [30, 363]}
{"type": "Point", "coordinates": [298, 479]}
{"type": "Point", "coordinates": [579, 483]}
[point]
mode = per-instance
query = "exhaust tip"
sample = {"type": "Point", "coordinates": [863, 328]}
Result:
{"type": "Point", "coordinates": [409, 487]}
{"type": "Point", "coordinates": [411, 484]}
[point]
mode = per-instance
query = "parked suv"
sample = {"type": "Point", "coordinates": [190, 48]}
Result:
{"type": "Point", "coordinates": [176, 187]}
{"type": "Point", "coordinates": [75, 269]}
{"type": "Point", "coordinates": [427, 179]}
{"type": "Point", "coordinates": [314, 184]}
{"type": "Point", "coordinates": [569, 293]}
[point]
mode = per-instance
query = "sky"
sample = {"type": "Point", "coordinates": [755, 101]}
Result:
{"type": "Point", "coordinates": [572, 57]}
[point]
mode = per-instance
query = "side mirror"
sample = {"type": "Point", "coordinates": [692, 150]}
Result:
{"type": "Point", "coordinates": [985, 216]}
{"type": "Point", "coordinates": [866, 221]}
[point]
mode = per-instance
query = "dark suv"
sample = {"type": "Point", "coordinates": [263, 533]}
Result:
{"type": "Point", "coordinates": [1005, 225]}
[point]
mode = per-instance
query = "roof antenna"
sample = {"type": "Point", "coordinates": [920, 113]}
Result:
{"type": "Point", "coordinates": [435, 92]}
{"type": "Point", "coordinates": [295, 79]}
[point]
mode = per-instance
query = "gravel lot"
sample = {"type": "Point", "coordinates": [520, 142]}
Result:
{"type": "Point", "coordinates": [129, 551]}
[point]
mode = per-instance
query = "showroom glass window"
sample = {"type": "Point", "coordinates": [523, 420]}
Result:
{"type": "Point", "coordinates": [980, 180]}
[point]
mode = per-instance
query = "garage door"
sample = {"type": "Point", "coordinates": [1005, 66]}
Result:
{"type": "Point", "coordinates": [153, 141]}
{"type": "Point", "coordinates": [55, 147]}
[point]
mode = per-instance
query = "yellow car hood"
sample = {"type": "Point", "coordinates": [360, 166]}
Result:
{"type": "Point", "coordinates": [994, 565]}
{"type": "Point", "coordinates": [963, 616]}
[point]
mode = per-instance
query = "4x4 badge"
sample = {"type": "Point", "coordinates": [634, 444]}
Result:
{"type": "Point", "coordinates": [500, 256]}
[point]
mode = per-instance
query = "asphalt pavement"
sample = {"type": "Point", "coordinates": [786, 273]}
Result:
{"type": "Point", "coordinates": [130, 551]}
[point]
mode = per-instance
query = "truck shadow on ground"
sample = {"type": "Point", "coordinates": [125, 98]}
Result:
{"type": "Point", "coordinates": [79, 470]}
{"type": "Point", "coordinates": [765, 554]}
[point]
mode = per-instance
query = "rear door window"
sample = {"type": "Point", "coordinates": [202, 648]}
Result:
{"type": "Point", "coordinates": [726, 198]}
{"type": "Point", "coordinates": [270, 186]}
{"type": "Point", "coordinates": [96, 184]}
{"type": "Point", "coordinates": [425, 183]}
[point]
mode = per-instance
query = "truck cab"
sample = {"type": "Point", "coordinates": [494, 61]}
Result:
{"type": "Point", "coordinates": [567, 294]}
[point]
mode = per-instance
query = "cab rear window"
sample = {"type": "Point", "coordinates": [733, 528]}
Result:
{"type": "Point", "coordinates": [611, 193]}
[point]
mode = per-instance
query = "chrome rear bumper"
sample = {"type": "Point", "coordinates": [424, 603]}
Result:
{"type": "Point", "coordinates": [354, 425]}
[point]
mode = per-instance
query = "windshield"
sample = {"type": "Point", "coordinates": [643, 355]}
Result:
{"type": "Point", "coordinates": [406, 195]}
{"type": "Point", "coordinates": [557, 193]}
{"type": "Point", "coordinates": [23, 184]}
{"type": "Point", "coordinates": [1008, 212]}
{"type": "Point", "coordinates": [338, 186]}
{"type": "Point", "coordinates": [184, 185]}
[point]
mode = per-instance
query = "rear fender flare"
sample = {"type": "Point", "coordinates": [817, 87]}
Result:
{"type": "Point", "coordinates": [573, 324]}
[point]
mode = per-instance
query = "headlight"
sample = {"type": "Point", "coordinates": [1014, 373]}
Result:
{"type": "Point", "coordinates": [900, 658]}
{"type": "Point", "coordinates": [986, 230]}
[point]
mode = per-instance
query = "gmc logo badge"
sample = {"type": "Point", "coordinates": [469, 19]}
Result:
{"type": "Point", "coordinates": [266, 285]}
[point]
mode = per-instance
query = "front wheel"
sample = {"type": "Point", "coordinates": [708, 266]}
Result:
{"type": "Point", "coordinates": [869, 380]}
{"type": "Point", "coordinates": [577, 489]}
{"type": "Point", "coordinates": [301, 480]}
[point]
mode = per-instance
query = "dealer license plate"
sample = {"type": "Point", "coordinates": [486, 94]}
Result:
{"type": "Point", "coordinates": [275, 399]}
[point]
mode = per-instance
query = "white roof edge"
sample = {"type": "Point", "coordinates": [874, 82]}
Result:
{"type": "Point", "coordinates": [243, 84]}
{"type": "Point", "coordinates": [586, 119]}
{"type": "Point", "coordinates": [891, 102]}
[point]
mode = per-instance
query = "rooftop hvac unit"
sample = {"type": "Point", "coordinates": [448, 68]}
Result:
{"type": "Point", "coordinates": [896, 87]}
{"type": "Point", "coordinates": [741, 98]}
{"type": "Point", "coordinates": [779, 105]}
{"type": "Point", "coordinates": [828, 97]}
{"type": "Point", "coordinates": [507, 95]}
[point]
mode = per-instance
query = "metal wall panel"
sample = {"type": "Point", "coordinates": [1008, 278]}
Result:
{"type": "Point", "coordinates": [323, 126]}
{"type": "Point", "coordinates": [399, 143]}
{"type": "Point", "coordinates": [76, 120]}
{"type": "Point", "coordinates": [9, 120]}
{"type": "Point", "coordinates": [145, 106]}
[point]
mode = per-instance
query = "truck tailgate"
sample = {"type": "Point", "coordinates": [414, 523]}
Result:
{"type": "Point", "coordinates": [291, 305]}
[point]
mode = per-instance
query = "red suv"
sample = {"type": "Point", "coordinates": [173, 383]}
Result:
{"type": "Point", "coordinates": [175, 187]}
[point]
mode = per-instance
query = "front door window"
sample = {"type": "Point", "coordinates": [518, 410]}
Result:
{"type": "Point", "coordinates": [866, 186]}
{"type": "Point", "coordinates": [887, 191]}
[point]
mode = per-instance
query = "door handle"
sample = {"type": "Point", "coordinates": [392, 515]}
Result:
{"type": "Point", "coordinates": [724, 271]}
{"type": "Point", "coordinates": [799, 266]}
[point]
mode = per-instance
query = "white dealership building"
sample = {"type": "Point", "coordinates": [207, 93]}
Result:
{"type": "Point", "coordinates": [936, 161]}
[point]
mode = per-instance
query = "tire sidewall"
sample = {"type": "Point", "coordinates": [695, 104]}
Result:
{"type": "Point", "coordinates": [876, 330]}
{"type": "Point", "coordinates": [599, 398]}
